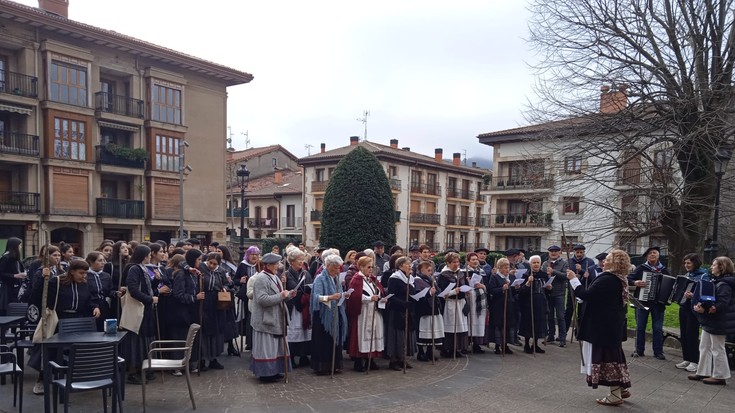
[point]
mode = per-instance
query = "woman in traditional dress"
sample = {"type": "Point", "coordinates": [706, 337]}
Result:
{"type": "Point", "coordinates": [328, 317]}
{"type": "Point", "coordinates": [503, 311]}
{"type": "Point", "coordinates": [400, 340]}
{"type": "Point", "coordinates": [114, 266]}
{"type": "Point", "coordinates": [477, 299]}
{"type": "Point", "coordinates": [688, 323]}
{"type": "Point", "coordinates": [214, 317]}
{"type": "Point", "coordinates": [100, 286]}
{"type": "Point", "coordinates": [533, 313]}
{"type": "Point", "coordinates": [184, 302]}
{"type": "Point", "coordinates": [602, 329]}
{"type": "Point", "coordinates": [429, 312]}
{"type": "Point", "coordinates": [270, 355]}
{"type": "Point", "coordinates": [299, 327]}
{"type": "Point", "coordinates": [455, 318]}
{"type": "Point", "coordinates": [229, 267]}
{"type": "Point", "coordinates": [364, 319]}
{"type": "Point", "coordinates": [12, 273]}
{"type": "Point", "coordinates": [249, 266]}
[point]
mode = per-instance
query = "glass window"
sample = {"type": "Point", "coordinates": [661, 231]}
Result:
{"type": "Point", "coordinates": [68, 83]}
{"type": "Point", "coordinates": [70, 140]}
{"type": "Point", "coordinates": [573, 164]}
{"type": "Point", "coordinates": [167, 153]}
{"type": "Point", "coordinates": [165, 104]}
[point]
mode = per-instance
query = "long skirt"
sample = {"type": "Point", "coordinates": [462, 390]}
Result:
{"type": "Point", "coordinates": [321, 348]}
{"type": "Point", "coordinates": [477, 320]}
{"type": "Point", "coordinates": [212, 346]}
{"type": "Point", "coordinates": [135, 348]}
{"type": "Point", "coordinates": [268, 355]}
{"type": "Point", "coordinates": [454, 319]}
{"type": "Point", "coordinates": [395, 339]}
{"type": "Point", "coordinates": [296, 332]}
{"type": "Point", "coordinates": [604, 366]}
{"type": "Point", "coordinates": [425, 335]}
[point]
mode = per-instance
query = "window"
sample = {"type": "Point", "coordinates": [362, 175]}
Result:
{"type": "Point", "coordinates": [662, 159]}
{"type": "Point", "coordinates": [415, 178]}
{"type": "Point", "coordinates": [167, 153]}
{"type": "Point", "coordinates": [3, 74]}
{"type": "Point", "coordinates": [392, 172]}
{"type": "Point", "coordinates": [274, 162]}
{"type": "Point", "coordinates": [70, 139]}
{"type": "Point", "coordinates": [320, 177]}
{"type": "Point", "coordinates": [68, 83]}
{"type": "Point", "coordinates": [166, 104]}
{"type": "Point", "coordinates": [571, 205]}
{"type": "Point", "coordinates": [527, 243]}
{"type": "Point", "coordinates": [330, 172]}
{"type": "Point", "coordinates": [573, 164]}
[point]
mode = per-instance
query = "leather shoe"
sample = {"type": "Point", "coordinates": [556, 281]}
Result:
{"type": "Point", "coordinates": [660, 356]}
{"type": "Point", "coordinates": [712, 380]}
{"type": "Point", "coordinates": [696, 377]}
{"type": "Point", "coordinates": [540, 350]}
{"type": "Point", "coordinates": [477, 349]}
{"type": "Point", "coordinates": [214, 364]}
{"type": "Point", "coordinates": [373, 365]}
{"type": "Point", "coordinates": [636, 354]}
{"type": "Point", "coordinates": [508, 350]}
{"type": "Point", "coordinates": [528, 350]}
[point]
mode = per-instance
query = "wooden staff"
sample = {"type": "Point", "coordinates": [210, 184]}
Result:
{"type": "Point", "coordinates": [405, 331]}
{"type": "Point", "coordinates": [286, 358]}
{"type": "Point", "coordinates": [533, 323]}
{"type": "Point", "coordinates": [335, 314]}
{"type": "Point", "coordinates": [119, 285]}
{"type": "Point", "coordinates": [505, 318]}
{"type": "Point", "coordinates": [469, 314]}
{"type": "Point", "coordinates": [456, 300]}
{"type": "Point", "coordinates": [433, 300]}
{"type": "Point", "coordinates": [201, 322]}
{"type": "Point", "coordinates": [44, 297]}
{"type": "Point", "coordinates": [372, 328]}
{"type": "Point", "coordinates": [574, 298]}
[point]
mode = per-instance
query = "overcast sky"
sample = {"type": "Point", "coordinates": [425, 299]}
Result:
{"type": "Point", "coordinates": [431, 73]}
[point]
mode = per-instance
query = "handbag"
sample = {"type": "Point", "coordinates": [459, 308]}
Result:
{"type": "Point", "coordinates": [224, 300]}
{"type": "Point", "coordinates": [45, 330]}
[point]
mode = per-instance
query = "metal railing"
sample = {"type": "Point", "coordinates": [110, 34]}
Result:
{"type": "Point", "coordinates": [319, 186]}
{"type": "Point", "coordinates": [119, 105]}
{"type": "Point", "coordinates": [19, 202]}
{"type": "Point", "coordinates": [120, 208]}
{"type": "Point", "coordinates": [509, 183]}
{"type": "Point", "coordinates": [18, 84]}
{"type": "Point", "coordinates": [460, 220]}
{"type": "Point", "coordinates": [460, 193]}
{"type": "Point", "coordinates": [19, 144]}
{"type": "Point", "coordinates": [104, 156]}
{"type": "Point", "coordinates": [262, 223]}
{"type": "Point", "coordinates": [395, 184]}
{"type": "Point", "coordinates": [417, 218]}
{"type": "Point", "coordinates": [529, 220]}
{"type": "Point", "coordinates": [482, 220]}
{"type": "Point", "coordinates": [237, 212]}
{"type": "Point", "coordinates": [420, 188]}
{"type": "Point", "coordinates": [291, 222]}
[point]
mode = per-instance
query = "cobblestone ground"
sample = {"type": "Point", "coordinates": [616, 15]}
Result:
{"type": "Point", "coordinates": [479, 383]}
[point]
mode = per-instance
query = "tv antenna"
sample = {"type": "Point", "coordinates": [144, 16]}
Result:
{"type": "Point", "coordinates": [308, 148]}
{"type": "Point", "coordinates": [229, 140]}
{"type": "Point", "coordinates": [247, 138]}
{"type": "Point", "coordinates": [364, 120]}
{"type": "Point", "coordinates": [464, 162]}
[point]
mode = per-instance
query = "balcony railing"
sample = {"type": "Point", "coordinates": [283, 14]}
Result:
{"type": "Point", "coordinates": [315, 216]}
{"type": "Point", "coordinates": [319, 186]}
{"type": "Point", "coordinates": [19, 144]}
{"type": "Point", "coordinates": [424, 218]}
{"type": "Point", "coordinates": [395, 184]}
{"type": "Point", "coordinates": [19, 202]}
{"type": "Point", "coordinates": [509, 183]}
{"type": "Point", "coordinates": [237, 212]}
{"type": "Point", "coordinates": [18, 84]}
{"type": "Point", "coordinates": [460, 220]}
{"type": "Point", "coordinates": [262, 223]}
{"type": "Point", "coordinates": [459, 246]}
{"type": "Point", "coordinates": [460, 193]}
{"type": "Point", "coordinates": [482, 221]}
{"type": "Point", "coordinates": [420, 188]}
{"type": "Point", "coordinates": [291, 222]}
{"type": "Point", "coordinates": [120, 208]}
{"type": "Point", "coordinates": [119, 105]}
{"type": "Point", "coordinates": [530, 220]}
{"type": "Point", "coordinates": [105, 156]}
{"type": "Point", "coordinates": [629, 176]}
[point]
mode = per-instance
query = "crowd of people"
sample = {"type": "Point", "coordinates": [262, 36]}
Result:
{"type": "Point", "coordinates": [303, 311]}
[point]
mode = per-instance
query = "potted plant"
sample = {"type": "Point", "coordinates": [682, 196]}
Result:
{"type": "Point", "coordinates": [131, 154]}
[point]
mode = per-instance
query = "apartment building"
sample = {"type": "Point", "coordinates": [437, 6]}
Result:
{"type": "Point", "coordinates": [96, 128]}
{"type": "Point", "coordinates": [437, 202]}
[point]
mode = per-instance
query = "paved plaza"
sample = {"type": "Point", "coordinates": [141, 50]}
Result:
{"type": "Point", "coordinates": [479, 383]}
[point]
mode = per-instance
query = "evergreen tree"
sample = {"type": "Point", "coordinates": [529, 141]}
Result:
{"type": "Point", "coordinates": [358, 204]}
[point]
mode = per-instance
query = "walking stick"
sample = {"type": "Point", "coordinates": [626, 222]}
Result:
{"type": "Point", "coordinates": [533, 323]}
{"type": "Point", "coordinates": [158, 331]}
{"type": "Point", "coordinates": [286, 358]}
{"type": "Point", "coordinates": [454, 348]}
{"type": "Point", "coordinates": [433, 301]}
{"type": "Point", "coordinates": [372, 329]}
{"type": "Point", "coordinates": [505, 318]}
{"type": "Point", "coordinates": [119, 285]}
{"type": "Point", "coordinates": [574, 302]}
{"type": "Point", "coordinates": [201, 322]}
{"type": "Point", "coordinates": [469, 315]}
{"type": "Point", "coordinates": [405, 330]}
{"type": "Point", "coordinates": [335, 314]}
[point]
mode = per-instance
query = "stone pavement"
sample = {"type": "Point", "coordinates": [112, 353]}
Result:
{"type": "Point", "coordinates": [479, 383]}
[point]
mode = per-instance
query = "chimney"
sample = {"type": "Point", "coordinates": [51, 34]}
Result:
{"type": "Point", "coordinates": [278, 177]}
{"type": "Point", "coordinates": [406, 148]}
{"type": "Point", "coordinates": [613, 100]}
{"type": "Point", "coordinates": [457, 159]}
{"type": "Point", "coordinates": [354, 140]}
{"type": "Point", "coordinates": [324, 148]}
{"type": "Point", "coordinates": [438, 154]}
{"type": "Point", "coordinates": [58, 7]}
{"type": "Point", "coordinates": [474, 164]}
{"type": "Point", "coordinates": [394, 143]}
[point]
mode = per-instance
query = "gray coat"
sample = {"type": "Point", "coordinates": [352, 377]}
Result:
{"type": "Point", "coordinates": [559, 285]}
{"type": "Point", "coordinates": [268, 308]}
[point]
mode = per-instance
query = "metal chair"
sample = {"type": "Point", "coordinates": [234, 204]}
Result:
{"type": "Point", "coordinates": [77, 325]}
{"type": "Point", "coordinates": [9, 365]}
{"type": "Point", "coordinates": [91, 367]}
{"type": "Point", "coordinates": [157, 364]}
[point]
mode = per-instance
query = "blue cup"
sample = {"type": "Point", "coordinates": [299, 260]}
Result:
{"type": "Point", "coordinates": [111, 326]}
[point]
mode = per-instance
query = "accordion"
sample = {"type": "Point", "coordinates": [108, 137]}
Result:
{"type": "Point", "coordinates": [659, 288]}
{"type": "Point", "coordinates": [683, 285]}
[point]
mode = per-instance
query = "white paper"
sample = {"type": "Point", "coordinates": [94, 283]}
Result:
{"type": "Point", "coordinates": [521, 272]}
{"type": "Point", "coordinates": [342, 276]}
{"type": "Point", "coordinates": [419, 295]}
{"type": "Point", "coordinates": [517, 282]}
{"type": "Point", "coordinates": [299, 284]}
{"type": "Point", "coordinates": [465, 288]}
{"type": "Point", "coordinates": [476, 279]}
{"type": "Point", "coordinates": [383, 301]}
{"type": "Point", "coordinates": [345, 294]}
{"type": "Point", "coordinates": [548, 283]}
{"type": "Point", "coordinates": [447, 290]}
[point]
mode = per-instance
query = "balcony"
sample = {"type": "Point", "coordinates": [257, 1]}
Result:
{"type": "Point", "coordinates": [120, 208]}
{"type": "Point", "coordinates": [237, 212]}
{"type": "Point", "coordinates": [119, 105]}
{"type": "Point", "coordinates": [629, 176]}
{"type": "Point", "coordinates": [19, 144]}
{"type": "Point", "coordinates": [18, 84]}
{"type": "Point", "coordinates": [482, 221]}
{"type": "Point", "coordinates": [119, 156]}
{"type": "Point", "coordinates": [461, 194]}
{"type": "Point", "coordinates": [460, 220]}
{"type": "Point", "coordinates": [292, 222]}
{"type": "Point", "coordinates": [19, 202]}
{"type": "Point", "coordinates": [416, 218]}
{"type": "Point", "coordinates": [319, 186]}
{"type": "Point", "coordinates": [459, 246]}
{"type": "Point", "coordinates": [262, 223]}
{"type": "Point", "coordinates": [315, 216]}
{"type": "Point", "coordinates": [395, 184]}
{"type": "Point", "coordinates": [396, 216]}
{"type": "Point", "coordinates": [530, 220]}
{"type": "Point", "coordinates": [510, 183]}
{"type": "Point", "coordinates": [428, 189]}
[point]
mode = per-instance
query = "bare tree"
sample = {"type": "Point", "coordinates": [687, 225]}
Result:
{"type": "Point", "coordinates": [671, 66]}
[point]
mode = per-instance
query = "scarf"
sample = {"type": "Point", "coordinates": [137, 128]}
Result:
{"type": "Point", "coordinates": [324, 284]}
{"type": "Point", "coordinates": [401, 276]}
{"type": "Point", "coordinates": [623, 278]}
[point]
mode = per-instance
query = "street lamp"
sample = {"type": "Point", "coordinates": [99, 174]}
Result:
{"type": "Point", "coordinates": [243, 175]}
{"type": "Point", "coordinates": [182, 145]}
{"type": "Point", "coordinates": [722, 157]}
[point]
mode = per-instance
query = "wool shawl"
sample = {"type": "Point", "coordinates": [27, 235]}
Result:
{"type": "Point", "coordinates": [324, 284]}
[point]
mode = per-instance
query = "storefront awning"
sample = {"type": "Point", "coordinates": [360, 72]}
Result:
{"type": "Point", "coordinates": [119, 126]}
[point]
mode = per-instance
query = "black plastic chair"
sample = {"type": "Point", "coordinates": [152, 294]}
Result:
{"type": "Point", "coordinates": [91, 367]}
{"type": "Point", "coordinates": [9, 366]}
{"type": "Point", "coordinates": [77, 325]}
{"type": "Point", "coordinates": [15, 310]}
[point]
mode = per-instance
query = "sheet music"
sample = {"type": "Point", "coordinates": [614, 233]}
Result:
{"type": "Point", "coordinates": [300, 282]}
{"type": "Point", "coordinates": [447, 290]}
{"type": "Point", "coordinates": [521, 272]}
{"type": "Point", "coordinates": [342, 277]}
{"type": "Point", "coordinates": [345, 294]}
{"type": "Point", "coordinates": [551, 279]}
{"type": "Point", "coordinates": [476, 279]}
{"type": "Point", "coordinates": [383, 301]}
{"type": "Point", "coordinates": [465, 288]}
{"type": "Point", "coordinates": [517, 282]}
{"type": "Point", "coordinates": [421, 294]}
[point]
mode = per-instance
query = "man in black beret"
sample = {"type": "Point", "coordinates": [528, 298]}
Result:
{"type": "Point", "coordinates": [556, 267]}
{"type": "Point", "coordinates": [380, 256]}
{"type": "Point", "coordinates": [654, 268]}
{"type": "Point", "coordinates": [584, 267]}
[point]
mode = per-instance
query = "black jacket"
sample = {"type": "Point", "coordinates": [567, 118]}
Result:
{"type": "Point", "coordinates": [638, 275]}
{"type": "Point", "coordinates": [723, 321]}
{"type": "Point", "coordinates": [604, 321]}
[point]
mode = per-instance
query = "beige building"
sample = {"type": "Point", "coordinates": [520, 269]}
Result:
{"type": "Point", "coordinates": [96, 127]}
{"type": "Point", "coordinates": [437, 202]}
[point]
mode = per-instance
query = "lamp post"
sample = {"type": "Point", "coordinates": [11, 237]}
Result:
{"type": "Point", "coordinates": [722, 157]}
{"type": "Point", "coordinates": [243, 175]}
{"type": "Point", "coordinates": [182, 145]}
